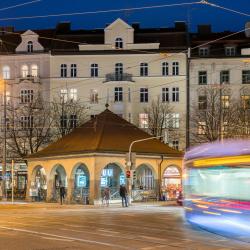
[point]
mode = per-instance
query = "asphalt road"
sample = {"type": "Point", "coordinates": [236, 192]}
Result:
{"type": "Point", "coordinates": [145, 227]}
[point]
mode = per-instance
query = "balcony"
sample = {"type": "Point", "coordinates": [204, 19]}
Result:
{"type": "Point", "coordinates": [30, 78]}
{"type": "Point", "coordinates": [114, 77]}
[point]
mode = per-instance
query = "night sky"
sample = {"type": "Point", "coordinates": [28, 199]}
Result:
{"type": "Point", "coordinates": [165, 17]}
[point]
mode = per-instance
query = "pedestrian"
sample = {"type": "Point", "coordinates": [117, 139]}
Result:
{"type": "Point", "coordinates": [123, 194]}
{"type": "Point", "coordinates": [107, 196]}
{"type": "Point", "coordinates": [62, 193]}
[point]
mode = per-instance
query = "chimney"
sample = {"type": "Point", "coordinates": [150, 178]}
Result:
{"type": "Point", "coordinates": [180, 26]}
{"type": "Point", "coordinates": [136, 26]}
{"type": "Point", "coordinates": [63, 27]}
{"type": "Point", "coordinates": [204, 29]}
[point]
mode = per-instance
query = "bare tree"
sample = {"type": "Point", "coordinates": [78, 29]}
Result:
{"type": "Point", "coordinates": [216, 116]}
{"type": "Point", "coordinates": [161, 120]}
{"type": "Point", "coordinates": [67, 114]}
{"type": "Point", "coordinates": [28, 127]}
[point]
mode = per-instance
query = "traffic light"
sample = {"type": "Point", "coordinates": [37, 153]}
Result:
{"type": "Point", "coordinates": [134, 175]}
{"type": "Point", "coordinates": [128, 174]}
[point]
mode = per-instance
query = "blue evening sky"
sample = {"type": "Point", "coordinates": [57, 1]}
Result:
{"type": "Point", "coordinates": [165, 17]}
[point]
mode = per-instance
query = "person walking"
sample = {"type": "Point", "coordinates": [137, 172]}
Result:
{"type": "Point", "coordinates": [62, 193]}
{"type": "Point", "coordinates": [107, 196]}
{"type": "Point", "coordinates": [123, 194]}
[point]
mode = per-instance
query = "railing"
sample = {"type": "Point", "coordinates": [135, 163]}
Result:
{"type": "Point", "coordinates": [34, 79]}
{"type": "Point", "coordinates": [118, 77]}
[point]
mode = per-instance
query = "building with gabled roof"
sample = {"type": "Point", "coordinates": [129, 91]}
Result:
{"type": "Point", "coordinates": [93, 157]}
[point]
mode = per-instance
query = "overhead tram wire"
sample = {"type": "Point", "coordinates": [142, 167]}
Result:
{"type": "Point", "coordinates": [19, 5]}
{"type": "Point", "coordinates": [102, 11]}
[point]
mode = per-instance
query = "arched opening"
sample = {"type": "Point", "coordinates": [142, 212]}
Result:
{"type": "Point", "coordinates": [112, 177]}
{"type": "Point", "coordinates": [30, 47]}
{"type": "Point", "coordinates": [59, 178]}
{"type": "Point", "coordinates": [38, 188]}
{"type": "Point", "coordinates": [81, 183]}
{"type": "Point", "coordinates": [118, 43]}
{"type": "Point", "coordinates": [171, 182]}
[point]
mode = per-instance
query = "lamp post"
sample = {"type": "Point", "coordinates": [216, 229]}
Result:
{"type": "Point", "coordinates": [129, 163]}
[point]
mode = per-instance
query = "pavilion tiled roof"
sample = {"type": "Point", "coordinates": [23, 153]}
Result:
{"type": "Point", "coordinates": [106, 133]}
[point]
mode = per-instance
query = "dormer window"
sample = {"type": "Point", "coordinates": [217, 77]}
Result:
{"type": "Point", "coordinates": [230, 51]}
{"type": "Point", "coordinates": [30, 47]}
{"type": "Point", "coordinates": [204, 51]}
{"type": "Point", "coordinates": [119, 43]}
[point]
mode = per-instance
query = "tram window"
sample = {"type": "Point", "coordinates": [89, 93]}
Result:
{"type": "Point", "coordinates": [233, 182]}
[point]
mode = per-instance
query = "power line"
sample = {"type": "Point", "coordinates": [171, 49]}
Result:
{"type": "Point", "coordinates": [19, 5]}
{"type": "Point", "coordinates": [101, 11]}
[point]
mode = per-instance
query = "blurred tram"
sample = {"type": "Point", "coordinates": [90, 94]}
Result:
{"type": "Point", "coordinates": [216, 183]}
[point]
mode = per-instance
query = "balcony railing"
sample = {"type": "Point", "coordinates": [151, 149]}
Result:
{"type": "Point", "coordinates": [118, 77]}
{"type": "Point", "coordinates": [34, 79]}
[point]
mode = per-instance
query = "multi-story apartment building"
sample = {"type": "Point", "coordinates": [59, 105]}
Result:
{"type": "Point", "coordinates": [219, 70]}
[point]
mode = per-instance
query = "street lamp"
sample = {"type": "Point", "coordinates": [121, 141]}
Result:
{"type": "Point", "coordinates": [129, 163]}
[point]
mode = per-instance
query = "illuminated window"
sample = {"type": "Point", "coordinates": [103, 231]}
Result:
{"type": "Point", "coordinates": [176, 120]}
{"type": "Point", "coordinates": [225, 101]}
{"type": "Point", "coordinates": [6, 72]}
{"type": "Point", "coordinates": [143, 120]}
{"type": "Point", "coordinates": [201, 128]}
{"type": "Point", "coordinates": [165, 69]}
{"type": "Point", "coordinates": [245, 101]}
{"type": "Point", "coordinates": [34, 70]}
{"type": "Point", "coordinates": [143, 69]}
{"type": "Point", "coordinates": [25, 71]}
{"type": "Point", "coordinates": [64, 95]}
{"type": "Point", "coordinates": [73, 94]}
{"type": "Point", "coordinates": [93, 96]}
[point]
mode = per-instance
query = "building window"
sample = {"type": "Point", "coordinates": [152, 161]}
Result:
{"type": "Point", "coordinates": [202, 102]}
{"type": "Point", "coordinates": [63, 121]}
{"type": "Point", "coordinates": [73, 94]}
{"type": "Point", "coordinates": [34, 70]}
{"type": "Point", "coordinates": [118, 94]}
{"type": "Point", "coordinates": [143, 94]}
{"type": "Point", "coordinates": [225, 101]}
{"type": "Point", "coordinates": [165, 95]}
{"type": "Point", "coordinates": [202, 77]}
{"type": "Point", "coordinates": [30, 47]}
{"type": "Point", "coordinates": [73, 121]}
{"type": "Point", "coordinates": [175, 120]}
{"type": "Point", "coordinates": [245, 101]}
{"type": "Point", "coordinates": [6, 72]}
{"type": "Point", "coordinates": [203, 51]}
{"type": "Point", "coordinates": [175, 94]}
{"type": "Point", "coordinates": [93, 96]}
{"type": "Point", "coordinates": [94, 70]}
{"type": "Point", "coordinates": [230, 51]}
{"type": "Point", "coordinates": [26, 96]}
{"type": "Point", "coordinates": [201, 128]}
{"type": "Point", "coordinates": [64, 95]}
{"type": "Point", "coordinates": [73, 70]}
{"type": "Point", "coordinates": [118, 43]}
{"type": "Point", "coordinates": [165, 69]}
{"type": "Point", "coordinates": [246, 76]}
{"type": "Point", "coordinates": [129, 95]}
{"type": "Point", "coordinates": [130, 117]}
{"type": "Point", "coordinates": [25, 71]}
{"type": "Point", "coordinates": [224, 77]}
{"type": "Point", "coordinates": [63, 70]}
{"type": "Point", "coordinates": [175, 69]}
{"type": "Point", "coordinates": [118, 71]}
{"type": "Point", "coordinates": [143, 120]}
{"type": "Point", "coordinates": [143, 69]}
{"type": "Point", "coordinates": [175, 144]}
{"type": "Point", "coordinates": [26, 122]}
{"type": "Point", "coordinates": [7, 97]}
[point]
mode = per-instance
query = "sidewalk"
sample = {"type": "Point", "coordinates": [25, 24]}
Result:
{"type": "Point", "coordinates": [23, 204]}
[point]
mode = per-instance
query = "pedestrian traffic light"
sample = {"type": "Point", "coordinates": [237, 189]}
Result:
{"type": "Point", "coordinates": [128, 174]}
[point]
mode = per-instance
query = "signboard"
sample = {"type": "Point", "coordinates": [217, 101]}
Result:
{"type": "Point", "coordinates": [171, 172]}
{"type": "Point", "coordinates": [104, 181]}
{"type": "Point", "coordinates": [81, 181]}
